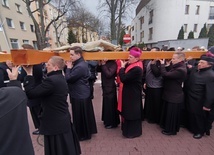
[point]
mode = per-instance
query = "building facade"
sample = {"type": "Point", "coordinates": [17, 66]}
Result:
{"type": "Point", "coordinates": [157, 20]}
{"type": "Point", "coordinates": [16, 26]}
{"type": "Point", "coordinates": [83, 34]}
{"type": "Point", "coordinates": [58, 32]}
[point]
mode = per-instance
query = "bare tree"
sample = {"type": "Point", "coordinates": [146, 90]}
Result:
{"type": "Point", "coordinates": [59, 27]}
{"type": "Point", "coordinates": [116, 10]}
{"type": "Point", "coordinates": [41, 28]}
{"type": "Point", "coordinates": [85, 20]}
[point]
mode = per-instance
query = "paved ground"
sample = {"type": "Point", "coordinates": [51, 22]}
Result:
{"type": "Point", "coordinates": [152, 142]}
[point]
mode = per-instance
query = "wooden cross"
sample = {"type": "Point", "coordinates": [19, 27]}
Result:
{"type": "Point", "coordinates": [31, 57]}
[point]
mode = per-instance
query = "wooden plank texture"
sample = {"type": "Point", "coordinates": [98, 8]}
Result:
{"type": "Point", "coordinates": [145, 55]}
{"type": "Point", "coordinates": [31, 57]}
{"type": "Point", "coordinates": [4, 57]}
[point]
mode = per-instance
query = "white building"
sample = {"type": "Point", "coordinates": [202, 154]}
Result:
{"type": "Point", "coordinates": [159, 20]}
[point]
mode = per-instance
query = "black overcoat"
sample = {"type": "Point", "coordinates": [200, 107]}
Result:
{"type": "Point", "coordinates": [132, 93]}
{"type": "Point", "coordinates": [200, 90]}
{"type": "Point", "coordinates": [14, 136]}
{"type": "Point", "coordinates": [173, 80]}
{"type": "Point", "coordinates": [108, 75]}
{"type": "Point", "coordinates": [55, 117]}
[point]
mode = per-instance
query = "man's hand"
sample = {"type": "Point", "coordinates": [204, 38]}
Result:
{"type": "Point", "coordinates": [162, 61]}
{"type": "Point", "coordinates": [14, 73]}
{"type": "Point", "coordinates": [69, 64]}
{"type": "Point", "coordinates": [123, 63]}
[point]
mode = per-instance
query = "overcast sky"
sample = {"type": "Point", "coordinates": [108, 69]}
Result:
{"type": "Point", "coordinates": [92, 5]}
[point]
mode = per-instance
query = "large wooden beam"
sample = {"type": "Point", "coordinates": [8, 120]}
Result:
{"type": "Point", "coordinates": [145, 55]}
{"type": "Point", "coordinates": [4, 57]}
{"type": "Point", "coordinates": [30, 57]}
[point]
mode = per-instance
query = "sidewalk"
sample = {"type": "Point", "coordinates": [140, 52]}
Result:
{"type": "Point", "coordinates": [152, 142]}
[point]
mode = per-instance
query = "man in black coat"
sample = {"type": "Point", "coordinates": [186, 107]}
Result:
{"type": "Point", "coordinates": [77, 75]}
{"type": "Point", "coordinates": [55, 121]}
{"type": "Point", "coordinates": [200, 97]}
{"type": "Point", "coordinates": [14, 136]}
{"type": "Point", "coordinates": [110, 115]}
{"type": "Point", "coordinates": [34, 104]}
{"type": "Point", "coordinates": [173, 95]}
{"type": "Point", "coordinates": [130, 105]}
{"type": "Point", "coordinates": [3, 73]}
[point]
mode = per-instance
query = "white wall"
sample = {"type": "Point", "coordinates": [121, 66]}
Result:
{"type": "Point", "coordinates": [169, 16]}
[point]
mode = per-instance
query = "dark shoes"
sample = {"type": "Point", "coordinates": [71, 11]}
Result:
{"type": "Point", "coordinates": [167, 133]}
{"type": "Point", "coordinates": [36, 132]}
{"type": "Point", "coordinates": [197, 136]}
{"type": "Point", "coordinates": [108, 127]}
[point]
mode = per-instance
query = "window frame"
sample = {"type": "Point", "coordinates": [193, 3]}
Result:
{"type": "Point", "coordinates": [18, 8]}
{"type": "Point", "coordinates": [187, 9]}
{"type": "Point", "coordinates": [211, 13]}
{"type": "Point", "coordinates": [14, 43]}
{"type": "Point", "coordinates": [197, 11]}
{"type": "Point", "coordinates": [185, 28]}
{"type": "Point", "coordinates": [22, 25]}
{"type": "Point", "coordinates": [5, 3]}
{"type": "Point", "coordinates": [32, 28]}
{"type": "Point", "coordinates": [9, 20]}
{"type": "Point", "coordinates": [150, 33]}
{"type": "Point", "coordinates": [151, 14]}
{"type": "Point", "coordinates": [195, 28]}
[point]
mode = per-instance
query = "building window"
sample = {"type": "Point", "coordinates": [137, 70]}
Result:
{"type": "Point", "coordinates": [187, 9]}
{"type": "Point", "coordinates": [22, 25]}
{"type": "Point", "coordinates": [35, 44]}
{"type": "Point", "coordinates": [195, 27]}
{"type": "Point", "coordinates": [208, 27]}
{"type": "Point", "coordinates": [10, 23]}
{"type": "Point", "coordinates": [132, 28]}
{"type": "Point", "coordinates": [185, 28]}
{"type": "Point", "coordinates": [150, 16]}
{"type": "Point", "coordinates": [197, 9]}
{"type": "Point", "coordinates": [25, 41]}
{"type": "Point", "coordinates": [18, 8]}
{"type": "Point", "coordinates": [211, 15]}
{"type": "Point", "coordinates": [14, 43]}
{"type": "Point", "coordinates": [141, 36]}
{"type": "Point", "coordinates": [150, 33]}
{"type": "Point", "coordinates": [132, 38]}
{"type": "Point", "coordinates": [5, 3]}
{"type": "Point", "coordinates": [32, 28]}
{"type": "Point", "coordinates": [141, 21]}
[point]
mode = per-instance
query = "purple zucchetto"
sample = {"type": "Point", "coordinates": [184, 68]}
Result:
{"type": "Point", "coordinates": [135, 51]}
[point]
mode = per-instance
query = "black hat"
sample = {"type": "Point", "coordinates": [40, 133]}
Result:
{"type": "Point", "coordinates": [207, 58]}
